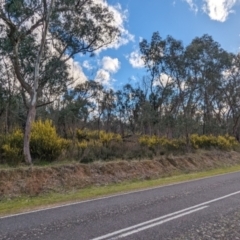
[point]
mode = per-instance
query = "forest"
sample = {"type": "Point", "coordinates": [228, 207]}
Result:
{"type": "Point", "coordinates": [189, 98]}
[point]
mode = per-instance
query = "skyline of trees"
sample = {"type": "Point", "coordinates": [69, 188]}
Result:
{"type": "Point", "coordinates": [194, 89]}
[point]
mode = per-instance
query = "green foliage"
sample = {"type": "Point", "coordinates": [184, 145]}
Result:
{"type": "Point", "coordinates": [105, 138]}
{"type": "Point", "coordinates": [204, 141]}
{"type": "Point", "coordinates": [86, 137]}
{"type": "Point", "coordinates": [221, 142]}
{"type": "Point", "coordinates": [94, 145]}
{"type": "Point", "coordinates": [164, 144]}
{"type": "Point", "coordinates": [45, 143]}
{"type": "Point", "coordinates": [12, 148]}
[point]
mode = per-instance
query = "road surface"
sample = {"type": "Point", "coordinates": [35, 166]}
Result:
{"type": "Point", "coordinates": [202, 209]}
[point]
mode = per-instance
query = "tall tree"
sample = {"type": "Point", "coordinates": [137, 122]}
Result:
{"type": "Point", "coordinates": [206, 63]}
{"type": "Point", "coordinates": [153, 55]}
{"type": "Point", "coordinates": [231, 98]}
{"type": "Point", "coordinates": [40, 36]}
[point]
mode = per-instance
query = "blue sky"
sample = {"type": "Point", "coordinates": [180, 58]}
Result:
{"type": "Point", "coordinates": [121, 62]}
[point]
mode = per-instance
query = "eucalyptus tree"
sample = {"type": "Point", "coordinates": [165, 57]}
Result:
{"type": "Point", "coordinates": [11, 104]}
{"type": "Point", "coordinates": [231, 98]}
{"type": "Point", "coordinates": [206, 63]}
{"type": "Point", "coordinates": [40, 36]}
{"type": "Point", "coordinates": [75, 108]}
{"type": "Point", "coordinates": [178, 113]}
{"type": "Point", "coordinates": [3, 103]}
{"type": "Point", "coordinates": [130, 102]}
{"type": "Point", "coordinates": [161, 59]}
{"type": "Point", "coordinates": [108, 105]}
{"type": "Point", "coordinates": [153, 54]}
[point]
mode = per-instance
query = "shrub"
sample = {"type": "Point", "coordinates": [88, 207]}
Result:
{"type": "Point", "coordinates": [174, 144]}
{"type": "Point", "coordinates": [155, 143]}
{"type": "Point", "coordinates": [221, 142]}
{"type": "Point", "coordinates": [106, 138]}
{"type": "Point", "coordinates": [97, 145]}
{"type": "Point", "coordinates": [12, 148]}
{"type": "Point", "coordinates": [232, 141]}
{"type": "Point", "coordinates": [150, 141]}
{"type": "Point", "coordinates": [100, 136]}
{"type": "Point", "coordinates": [45, 143]}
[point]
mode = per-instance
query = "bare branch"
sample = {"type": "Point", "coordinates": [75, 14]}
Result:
{"type": "Point", "coordinates": [44, 104]}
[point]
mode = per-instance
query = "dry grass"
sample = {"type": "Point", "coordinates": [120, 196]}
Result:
{"type": "Point", "coordinates": [26, 203]}
{"type": "Point", "coordinates": [39, 180]}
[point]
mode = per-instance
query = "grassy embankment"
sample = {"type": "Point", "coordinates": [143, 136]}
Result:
{"type": "Point", "coordinates": [23, 188]}
{"type": "Point", "coordinates": [26, 203]}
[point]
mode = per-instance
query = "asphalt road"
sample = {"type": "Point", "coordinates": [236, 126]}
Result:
{"type": "Point", "coordinates": [201, 209]}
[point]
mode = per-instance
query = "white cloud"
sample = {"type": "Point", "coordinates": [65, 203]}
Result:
{"type": "Point", "coordinates": [103, 77]}
{"type": "Point", "coordinates": [163, 80]}
{"type": "Point", "coordinates": [76, 72]}
{"type": "Point", "coordinates": [135, 59]}
{"type": "Point", "coordinates": [218, 9]}
{"type": "Point", "coordinates": [108, 66]}
{"type": "Point", "coordinates": [87, 65]}
{"type": "Point", "coordinates": [111, 64]}
{"type": "Point", "coordinates": [120, 16]}
{"type": "Point", "coordinates": [192, 5]}
{"type": "Point", "coordinates": [133, 78]}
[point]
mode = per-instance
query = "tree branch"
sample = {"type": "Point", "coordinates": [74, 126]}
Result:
{"type": "Point", "coordinates": [47, 14]}
{"type": "Point", "coordinates": [15, 61]}
{"type": "Point", "coordinates": [44, 104]}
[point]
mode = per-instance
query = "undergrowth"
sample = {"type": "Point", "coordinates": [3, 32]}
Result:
{"type": "Point", "coordinates": [88, 146]}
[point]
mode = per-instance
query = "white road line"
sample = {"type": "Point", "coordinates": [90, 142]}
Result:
{"type": "Point", "coordinates": [142, 224]}
{"type": "Point", "coordinates": [112, 196]}
{"type": "Point", "coordinates": [165, 216]}
{"type": "Point", "coordinates": [158, 223]}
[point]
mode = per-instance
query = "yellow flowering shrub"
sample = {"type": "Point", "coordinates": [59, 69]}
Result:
{"type": "Point", "coordinates": [150, 141]}
{"type": "Point", "coordinates": [232, 140]}
{"type": "Point", "coordinates": [174, 144]}
{"type": "Point", "coordinates": [154, 142]}
{"type": "Point", "coordinates": [91, 138]}
{"type": "Point", "coordinates": [95, 144]}
{"type": "Point", "coordinates": [45, 143]}
{"type": "Point", "coordinates": [105, 138]}
{"type": "Point", "coordinates": [204, 141]}
{"type": "Point", "coordinates": [12, 148]}
{"type": "Point", "coordinates": [207, 141]}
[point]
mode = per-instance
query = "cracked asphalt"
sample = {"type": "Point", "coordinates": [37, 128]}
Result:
{"type": "Point", "coordinates": [201, 209]}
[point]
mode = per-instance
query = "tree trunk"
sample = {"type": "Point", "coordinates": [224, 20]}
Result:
{"type": "Point", "coordinates": [7, 119]}
{"type": "Point", "coordinates": [26, 147]}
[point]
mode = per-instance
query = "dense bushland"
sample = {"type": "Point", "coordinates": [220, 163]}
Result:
{"type": "Point", "coordinates": [88, 145]}
{"type": "Point", "coordinates": [45, 144]}
{"type": "Point", "coordinates": [162, 144]}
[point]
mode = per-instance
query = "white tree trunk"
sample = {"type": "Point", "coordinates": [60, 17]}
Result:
{"type": "Point", "coordinates": [32, 109]}
{"type": "Point", "coordinates": [27, 134]}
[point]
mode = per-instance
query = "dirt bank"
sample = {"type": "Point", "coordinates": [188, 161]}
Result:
{"type": "Point", "coordinates": [38, 180]}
